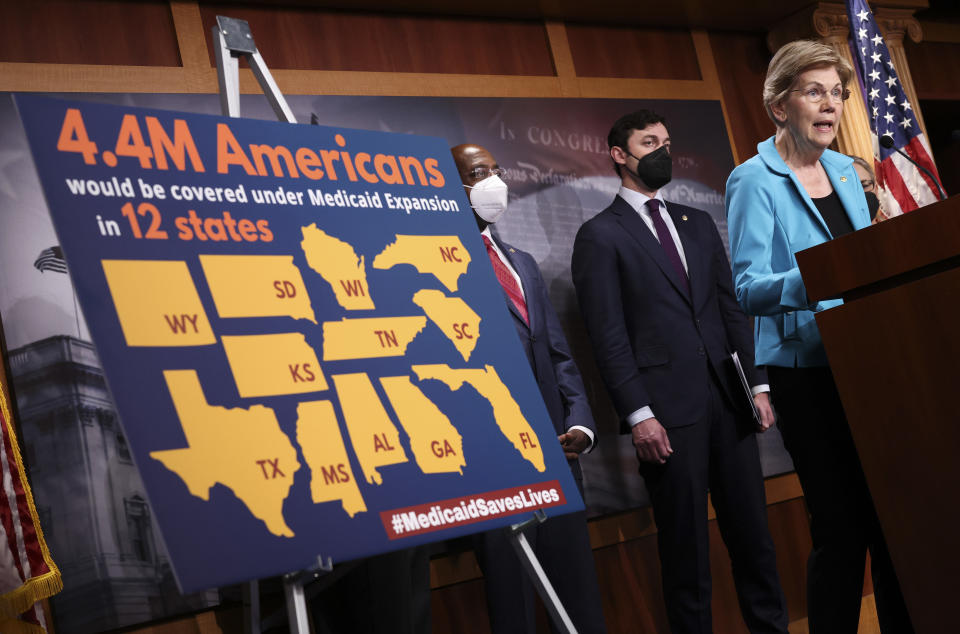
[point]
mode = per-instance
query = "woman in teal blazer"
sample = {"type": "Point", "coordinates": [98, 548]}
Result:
{"type": "Point", "coordinates": [771, 216]}
{"type": "Point", "coordinates": [794, 194]}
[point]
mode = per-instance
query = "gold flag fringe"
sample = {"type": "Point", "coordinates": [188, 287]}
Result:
{"type": "Point", "coordinates": [13, 626]}
{"type": "Point", "coordinates": [36, 588]}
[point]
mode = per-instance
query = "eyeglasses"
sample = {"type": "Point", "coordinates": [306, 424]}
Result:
{"type": "Point", "coordinates": [816, 95]}
{"type": "Point", "coordinates": [480, 173]}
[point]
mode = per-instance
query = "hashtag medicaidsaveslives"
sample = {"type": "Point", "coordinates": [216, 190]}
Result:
{"type": "Point", "coordinates": [432, 516]}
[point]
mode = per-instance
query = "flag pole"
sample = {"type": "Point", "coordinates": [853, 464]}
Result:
{"type": "Point", "coordinates": [76, 309]}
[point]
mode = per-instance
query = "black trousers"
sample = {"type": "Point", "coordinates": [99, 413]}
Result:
{"type": "Point", "coordinates": [385, 594]}
{"type": "Point", "coordinates": [843, 522]}
{"type": "Point", "coordinates": [562, 546]}
{"type": "Point", "coordinates": [718, 455]}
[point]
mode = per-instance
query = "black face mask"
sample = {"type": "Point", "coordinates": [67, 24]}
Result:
{"type": "Point", "coordinates": [873, 204]}
{"type": "Point", "coordinates": [654, 169]}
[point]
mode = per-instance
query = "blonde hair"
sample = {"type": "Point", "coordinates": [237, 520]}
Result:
{"type": "Point", "coordinates": [793, 59]}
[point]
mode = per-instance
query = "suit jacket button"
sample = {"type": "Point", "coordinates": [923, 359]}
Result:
{"type": "Point", "coordinates": [533, 339]}
{"type": "Point", "coordinates": [701, 351]}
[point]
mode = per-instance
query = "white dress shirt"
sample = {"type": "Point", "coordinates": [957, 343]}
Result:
{"type": "Point", "coordinates": [639, 203]}
{"type": "Point", "coordinates": [513, 272]}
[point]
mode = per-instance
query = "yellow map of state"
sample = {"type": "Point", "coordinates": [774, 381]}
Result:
{"type": "Point", "coordinates": [275, 364]}
{"type": "Point", "coordinates": [242, 449]}
{"type": "Point", "coordinates": [370, 338]}
{"type": "Point", "coordinates": [338, 264]}
{"type": "Point", "coordinates": [375, 439]}
{"type": "Point", "coordinates": [318, 435]}
{"type": "Point", "coordinates": [435, 442]}
{"type": "Point", "coordinates": [157, 303]}
{"type": "Point", "coordinates": [454, 318]}
{"type": "Point", "coordinates": [442, 256]}
{"type": "Point", "coordinates": [507, 413]}
{"type": "Point", "coordinates": [257, 286]}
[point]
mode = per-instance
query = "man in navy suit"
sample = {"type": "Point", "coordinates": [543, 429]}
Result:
{"type": "Point", "coordinates": [561, 543]}
{"type": "Point", "coordinates": [655, 291]}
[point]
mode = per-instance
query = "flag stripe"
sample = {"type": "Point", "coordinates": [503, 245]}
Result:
{"type": "Point", "coordinates": [913, 181]}
{"type": "Point", "coordinates": [8, 505]}
{"type": "Point", "coordinates": [893, 182]}
{"type": "Point", "coordinates": [32, 616]}
{"type": "Point", "coordinates": [918, 153]}
{"type": "Point", "coordinates": [19, 510]}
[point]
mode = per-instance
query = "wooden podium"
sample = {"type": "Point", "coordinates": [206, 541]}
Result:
{"type": "Point", "coordinates": [894, 348]}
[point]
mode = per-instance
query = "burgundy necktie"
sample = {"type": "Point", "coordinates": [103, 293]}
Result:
{"type": "Point", "coordinates": [506, 280]}
{"type": "Point", "coordinates": [666, 241]}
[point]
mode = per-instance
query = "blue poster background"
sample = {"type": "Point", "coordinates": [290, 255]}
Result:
{"type": "Point", "coordinates": [218, 541]}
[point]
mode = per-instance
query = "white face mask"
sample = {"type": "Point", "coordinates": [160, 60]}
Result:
{"type": "Point", "coordinates": [489, 198]}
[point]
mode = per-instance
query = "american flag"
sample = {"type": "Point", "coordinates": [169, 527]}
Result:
{"type": "Point", "coordinates": [28, 573]}
{"type": "Point", "coordinates": [51, 260]}
{"type": "Point", "coordinates": [901, 186]}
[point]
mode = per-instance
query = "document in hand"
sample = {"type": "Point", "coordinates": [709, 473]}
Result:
{"type": "Point", "coordinates": [746, 387]}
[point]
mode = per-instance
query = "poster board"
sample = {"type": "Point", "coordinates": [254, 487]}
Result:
{"type": "Point", "coordinates": [307, 348]}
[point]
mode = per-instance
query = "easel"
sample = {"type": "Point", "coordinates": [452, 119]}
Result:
{"type": "Point", "coordinates": [231, 39]}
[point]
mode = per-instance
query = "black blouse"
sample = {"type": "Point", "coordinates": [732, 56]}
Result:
{"type": "Point", "coordinates": [833, 214]}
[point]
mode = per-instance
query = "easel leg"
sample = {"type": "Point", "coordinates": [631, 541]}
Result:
{"type": "Point", "coordinates": [231, 38]}
{"type": "Point", "coordinates": [228, 75]}
{"type": "Point", "coordinates": [270, 89]}
{"type": "Point", "coordinates": [528, 559]}
{"type": "Point", "coordinates": [251, 607]}
{"type": "Point", "coordinates": [296, 606]}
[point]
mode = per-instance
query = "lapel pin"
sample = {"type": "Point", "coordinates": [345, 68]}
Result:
{"type": "Point", "coordinates": [843, 179]}
{"type": "Point", "coordinates": [683, 217]}
{"type": "Point", "coordinates": [512, 251]}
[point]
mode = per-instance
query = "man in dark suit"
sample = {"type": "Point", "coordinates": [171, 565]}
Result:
{"type": "Point", "coordinates": [655, 291]}
{"type": "Point", "coordinates": [561, 543]}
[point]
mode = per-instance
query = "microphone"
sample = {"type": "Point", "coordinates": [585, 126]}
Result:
{"type": "Point", "coordinates": [886, 141]}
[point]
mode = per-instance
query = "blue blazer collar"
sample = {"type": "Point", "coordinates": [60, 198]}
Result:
{"type": "Point", "coordinates": [839, 171]}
